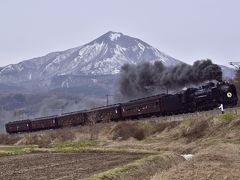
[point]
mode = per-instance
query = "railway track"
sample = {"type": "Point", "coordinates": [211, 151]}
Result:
{"type": "Point", "coordinates": [181, 117]}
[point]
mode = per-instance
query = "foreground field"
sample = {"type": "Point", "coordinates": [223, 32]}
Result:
{"type": "Point", "coordinates": [61, 165]}
{"type": "Point", "coordinates": [215, 162]}
{"type": "Point", "coordinates": [150, 149]}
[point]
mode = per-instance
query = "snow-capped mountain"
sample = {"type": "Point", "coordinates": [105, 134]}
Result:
{"type": "Point", "coordinates": [103, 56]}
{"type": "Point", "coordinates": [87, 67]}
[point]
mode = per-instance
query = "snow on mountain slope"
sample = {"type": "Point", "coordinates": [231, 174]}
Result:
{"type": "Point", "coordinates": [92, 66]}
{"type": "Point", "coordinates": [228, 73]}
{"type": "Point", "coordinates": [103, 56]}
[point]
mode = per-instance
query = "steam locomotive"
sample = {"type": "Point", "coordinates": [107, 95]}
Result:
{"type": "Point", "coordinates": [206, 97]}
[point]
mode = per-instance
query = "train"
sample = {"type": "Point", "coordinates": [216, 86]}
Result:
{"type": "Point", "coordinates": [206, 97]}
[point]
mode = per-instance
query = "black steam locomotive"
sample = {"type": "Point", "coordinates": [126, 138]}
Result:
{"type": "Point", "coordinates": [206, 97]}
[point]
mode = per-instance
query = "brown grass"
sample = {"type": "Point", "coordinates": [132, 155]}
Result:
{"type": "Point", "coordinates": [140, 130]}
{"type": "Point", "coordinates": [193, 129]}
{"type": "Point", "coordinates": [63, 135]}
{"type": "Point", "coordinates": [220, 161]}
{"type": "Point", "coordinates": [6, 139]}
{"type": "Point", "coordinates": [152, 131]}
{"type": "Point", "coordinates": [44, 139]}
{"type": "Point", "coordinates": [126, 130]}
{"type": "Point", "coordinates": [40, 140]}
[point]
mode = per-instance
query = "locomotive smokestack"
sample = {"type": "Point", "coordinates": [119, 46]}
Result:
{"type": "Point", "coordinates": [146, 79]}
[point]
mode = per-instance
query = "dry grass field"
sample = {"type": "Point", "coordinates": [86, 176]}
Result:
{"type": "Point", "coordinates": [147, 149]}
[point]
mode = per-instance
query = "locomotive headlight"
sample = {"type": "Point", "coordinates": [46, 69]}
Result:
{"type": "Point", "coordinates": [229, 94]}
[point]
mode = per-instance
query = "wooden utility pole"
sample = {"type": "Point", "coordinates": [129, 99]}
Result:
{"type": "Point", "coordinates": [107, 95]}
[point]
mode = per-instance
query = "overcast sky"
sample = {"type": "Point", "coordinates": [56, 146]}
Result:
{"type": "Point", "coordinates": [184, 29]}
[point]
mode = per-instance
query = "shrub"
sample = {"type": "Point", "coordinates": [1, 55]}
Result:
{"type": "Point", "coordinates": [147, 127]}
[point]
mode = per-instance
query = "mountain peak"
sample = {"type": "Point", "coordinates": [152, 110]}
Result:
{"type": "Point", "coordinates": [109, 37]}
{"type": "Point", "coordinates": [114, 36]}
{"type": "Point", "coordinates": [113, 32]}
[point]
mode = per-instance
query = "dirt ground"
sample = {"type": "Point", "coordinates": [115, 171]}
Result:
{"type": "Point", "coordinates": [61, 165]}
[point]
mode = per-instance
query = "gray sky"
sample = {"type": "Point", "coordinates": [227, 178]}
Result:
{"type": "Point", "coordinates": [184, 29]}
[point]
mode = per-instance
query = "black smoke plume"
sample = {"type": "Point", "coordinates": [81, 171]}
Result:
{"type": "Point", "coordinates": [146, 79]}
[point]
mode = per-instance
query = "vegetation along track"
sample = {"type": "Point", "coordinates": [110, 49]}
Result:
{"type": "Point", "coordinates": [180, 117]}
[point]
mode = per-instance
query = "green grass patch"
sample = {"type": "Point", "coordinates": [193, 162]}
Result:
{"type": "Point", "coordinates": [227, 117]}
{"type": "Point", "coordinates": [100, 150]}
{"type": "Point", "coordinates": [18, 150]}
{"type": "Point", "coordinates": [73, 146]}
{"type": "Point", "coordinates": [88, 146]}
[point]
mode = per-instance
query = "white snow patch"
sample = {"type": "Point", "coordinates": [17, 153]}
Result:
{"type": "Point", "coordinates": [116, 71]}
{"type": "Point", "coordinates": [65, 84]}
{"type": "Point", "coordinates": [30, 76]}
{"type": "Point", "coordinates": [114, 36]}
{"type": "Point", "coordinates": [19, 67]}
{"type": "Point", "coordinates": [188, 157]}
{"type": "Point", "coordinates": [134, 48]}
{"type": "Point", "coordinates": [94, 80]}
{"type": "Point", "coordinates": [142, 47]}
{"type": "Point", "coordinates": [119, 50]}
{"type": "Point", "coordinates": [8, 68]}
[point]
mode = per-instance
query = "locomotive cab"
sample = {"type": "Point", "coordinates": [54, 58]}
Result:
{"type": "Point", "coordinates": [228, 94]}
